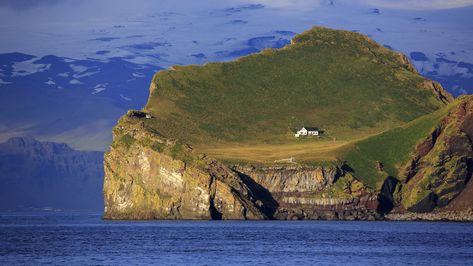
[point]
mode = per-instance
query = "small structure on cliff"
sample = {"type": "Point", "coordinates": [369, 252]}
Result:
{"type": "Point", "coordinates": [139, 114]}
{"type": "Point", "coordinates": [307, 131]}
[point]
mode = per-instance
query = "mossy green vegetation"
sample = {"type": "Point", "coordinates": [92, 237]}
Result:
{"type": "Point", "coordinates": [346, 187]}
{"type": "Point", "coordinates": [340, 81]}
{"type": "Point", "coordinates": [392, 148]}
{"type": "Point", "coordinates": [127, 140]}
{"type": "Point", "coordinates": [371, 104]}
{"type": "Point", "coordinates": [178, 152]}
{"type": "Point", "coordinates": [159, 147]}
{"type": "Point", "coordinates": [446, 168]}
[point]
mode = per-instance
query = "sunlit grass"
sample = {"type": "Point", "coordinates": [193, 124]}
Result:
{"type": "Point", "coordinates": [248, 110]}
{"type": "Point", "coordinates": [393, 148]}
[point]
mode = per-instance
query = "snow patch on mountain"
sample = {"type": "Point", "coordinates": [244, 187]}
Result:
{"type": "Point", "coordinates": [28, 67]}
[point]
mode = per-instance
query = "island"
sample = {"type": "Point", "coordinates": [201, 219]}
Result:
{"type": "Point", "coordinates": [216, 141]}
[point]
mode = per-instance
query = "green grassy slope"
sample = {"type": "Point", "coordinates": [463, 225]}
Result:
{"type": "Point", "coordinates": [340, 81]}
{"type": "Point", "coordinates": [393, 148]}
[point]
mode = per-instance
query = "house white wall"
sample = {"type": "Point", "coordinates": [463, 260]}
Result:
{"type": "Point", "coordinates": [304, 132]}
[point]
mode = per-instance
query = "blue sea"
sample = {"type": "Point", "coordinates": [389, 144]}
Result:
{"type": "Point", "coordinates": [77, 238]}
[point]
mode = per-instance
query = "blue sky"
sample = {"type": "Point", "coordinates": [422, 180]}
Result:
{"type": "Point", "coordinates": [87, 62]}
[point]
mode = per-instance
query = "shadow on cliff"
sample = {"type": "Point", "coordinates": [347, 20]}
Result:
{"type": "Point", "coordinates": [268, 205]}
{"type": "Point", "coordinates": [214, 213]}
{"type": "Point", "coordinates": [386, 198]}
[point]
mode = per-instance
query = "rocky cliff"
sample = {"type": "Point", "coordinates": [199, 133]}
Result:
{"type": "Point", "coordinates": [311, 192]}
{"type": "Point", "coordinates": [148, 176]}
{"type": "Point", "coordinates": [441, 166]}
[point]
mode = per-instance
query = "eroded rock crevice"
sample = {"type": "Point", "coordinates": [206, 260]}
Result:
{"type": "Point", "coordinates": [442, 164]}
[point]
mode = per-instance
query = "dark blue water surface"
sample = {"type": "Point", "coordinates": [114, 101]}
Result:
{"type": "Point", "coordinates": [84, 239]}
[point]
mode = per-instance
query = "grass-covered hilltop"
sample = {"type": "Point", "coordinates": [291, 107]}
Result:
{"type": "Point", "coordinates": [340, 81]}
{"type": "Point", "coordinates": [217, 141]}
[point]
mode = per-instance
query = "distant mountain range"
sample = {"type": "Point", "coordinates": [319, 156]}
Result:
{"type": "Point", "coordinates": [46, 175]}
{"type": "Point", "coordinates": [66, 100]}
{"type": "Point", "coordinates": [78, 101]}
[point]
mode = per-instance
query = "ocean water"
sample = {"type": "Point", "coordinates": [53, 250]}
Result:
{"type": "Point", "coordinates": [66, 238]}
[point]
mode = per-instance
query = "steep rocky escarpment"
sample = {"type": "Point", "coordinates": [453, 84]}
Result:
{"type": "Point", "coordinates": [313, 192]}
{"type": "Point", "coordinates": [150, 177]}
{"type": "Point", "coordinates": [438, 175]}
{"type": "Point", "coordinates": [438, 91]}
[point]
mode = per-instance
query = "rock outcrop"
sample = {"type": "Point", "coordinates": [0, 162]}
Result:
{"type": "Point", "coordinates": [442, 164]}
{"type": "Point", "coordinates": [456, 216]}
{"type": "Point", "coordinates": [312, 192]}
{"type": "Point", "coordinates": [150, 177]}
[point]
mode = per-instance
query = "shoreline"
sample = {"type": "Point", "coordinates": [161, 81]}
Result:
{"type": "Point", "coordinates": [445, 216]}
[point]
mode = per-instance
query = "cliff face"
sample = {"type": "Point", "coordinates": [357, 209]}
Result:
{"type": "Point", "coordinates": [150, 177]}
{"type": "Point", "coordinates": [442, 165]}
{"type": "Point", "coordinates": [312, 192]}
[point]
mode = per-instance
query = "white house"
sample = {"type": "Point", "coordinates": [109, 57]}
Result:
{"type": "Point", "coordinates": [307, 131]}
